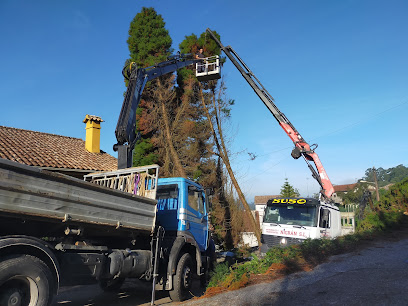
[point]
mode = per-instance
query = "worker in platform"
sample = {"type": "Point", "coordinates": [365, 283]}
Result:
{"type": "Point", "coordinates": [200, 55]}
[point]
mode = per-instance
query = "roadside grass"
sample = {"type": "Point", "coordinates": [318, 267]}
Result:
{"type": "Point", "coordinates": [280, 261]}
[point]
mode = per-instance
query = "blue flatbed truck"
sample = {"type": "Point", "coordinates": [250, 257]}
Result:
{"type": "Point", "coordinates": [56, 230]}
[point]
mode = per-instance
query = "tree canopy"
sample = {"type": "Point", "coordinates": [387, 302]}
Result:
{"type": "Point", "coordinates": [149, 41]}
{"type": "Point", "coordinates": [288, 191]}
{"type": "Point", "coordinates": [181, 122]}
{"type": "Point", "coordinates": [386, 176]}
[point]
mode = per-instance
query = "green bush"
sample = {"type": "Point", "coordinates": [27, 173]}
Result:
{"type": "Point", "coordinates": [218, 275]}
{"type": "Point", "coordinates": [389, 215]}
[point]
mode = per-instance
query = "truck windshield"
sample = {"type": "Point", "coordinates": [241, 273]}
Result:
{"type": "Point", "coordinates": [291, 214]}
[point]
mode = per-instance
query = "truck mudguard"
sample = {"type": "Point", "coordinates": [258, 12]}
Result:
{"type": "Point", "coordinates": [181, 241]}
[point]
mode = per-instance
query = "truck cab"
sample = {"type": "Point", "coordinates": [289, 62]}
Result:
{"type": "Point", "coordinates": [182, 208]}
{"type": "Point", "coordinates": [292, 220]}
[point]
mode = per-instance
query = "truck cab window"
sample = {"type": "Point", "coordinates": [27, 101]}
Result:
{"type": "Point", "coordinates": [167, 197]}
{"type": "Point", "coordinates": [195, 200]}
{"type": "Point", "coordinates": [324, 218]}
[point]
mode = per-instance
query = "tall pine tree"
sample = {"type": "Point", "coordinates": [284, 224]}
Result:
{"type": "Point", "coordinates": [288, 191]}
{"type": "Point", "coordinates": [149, 42]}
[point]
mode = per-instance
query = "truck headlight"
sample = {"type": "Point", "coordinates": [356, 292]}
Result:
{"type": "Point", "coordinates": [284, 241]}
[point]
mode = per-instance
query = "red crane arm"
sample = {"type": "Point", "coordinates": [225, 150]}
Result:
{"type": "Point", "coordinates": [302, 148]}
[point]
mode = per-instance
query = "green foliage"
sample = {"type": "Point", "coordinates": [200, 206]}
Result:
{"type": "Point", "coordinates": [149, 41]}
{"type": "Point", "coordinates": [387, 176]}
{"type": "Point", "coordinates": [278, 255]}
{"type": "Point", "coordinates": [197, 174]}
{"type": "Point", "coordinates": [288, 191]}
{"type": "Point", "coordinates": [396, 198]}
{"type": "Point", "coordinates": [286, 259]}
{"type": "Point", "coordinates": [384, 177]}
{"type": "Point", "coordinates": [354, 196]}
{"type": "Point", "coordinates": [191, 44]}
{"type": "Point", "coordinates": [379, 221]}
{"type": "Point", "coordinates": [144, 153]}
{"type": "Point", "coordinates": [389, 210]}
{"type": "Point", "coordinates": [218, 275]}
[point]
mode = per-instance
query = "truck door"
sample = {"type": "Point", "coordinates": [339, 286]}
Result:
{"type": "Point", "coordinates": [325, 222]}
{"type": "Point", "coordinates": [197, 216]}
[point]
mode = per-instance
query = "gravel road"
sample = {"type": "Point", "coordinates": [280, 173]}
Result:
{"type": "Point", "coordinates": [377, 275]}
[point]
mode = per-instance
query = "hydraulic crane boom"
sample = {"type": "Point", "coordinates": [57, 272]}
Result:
{"type": "Point", "coordinates": [138, 77]}
{"type": "Point", "coordinates": [302, 148]}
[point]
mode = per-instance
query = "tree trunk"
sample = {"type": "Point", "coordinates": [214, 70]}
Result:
{"type": "Point", "coordinates": [224, 156]}
{"type": "Point", "coordinates": [174, 156]}
{"type": "Point", "coordinates": [167, 132]}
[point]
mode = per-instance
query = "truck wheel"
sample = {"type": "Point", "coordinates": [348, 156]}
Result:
{"type": "Point", "coordinates": [110, 285]}
{"type": "Point", "coordinates": [25, 281]}
{"type": "Point", "coordinates": [183, 279]}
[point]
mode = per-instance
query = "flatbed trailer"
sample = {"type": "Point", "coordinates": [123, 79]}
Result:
{"type": "Point", "coordinates": [57, 198]}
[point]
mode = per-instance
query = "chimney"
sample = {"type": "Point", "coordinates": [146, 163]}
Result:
{"type": "Point", "coordinates": [93, 133]}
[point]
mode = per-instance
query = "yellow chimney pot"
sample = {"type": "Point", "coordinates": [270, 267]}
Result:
{"type": "Point", "coordinates": [93, 133]}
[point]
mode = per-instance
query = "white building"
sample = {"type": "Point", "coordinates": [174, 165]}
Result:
{"type": "Point", "coordinates": [260, 204]}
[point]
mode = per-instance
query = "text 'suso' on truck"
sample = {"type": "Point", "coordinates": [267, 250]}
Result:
{"type": "Point", "coordinates": [290, 221]}
{"type": "Point", "coordinates": [57, 230]}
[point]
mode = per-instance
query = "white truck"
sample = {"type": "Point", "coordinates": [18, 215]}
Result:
{"type": "Point", "coordinates": [290, 221]}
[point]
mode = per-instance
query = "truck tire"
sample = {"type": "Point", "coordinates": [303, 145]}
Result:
{"type": "Point", "coordinates": [111, 285]}
{"type": "Point", "coordinates": [25, 280]}
{"type": "Point", "coordinates": [183, 279]}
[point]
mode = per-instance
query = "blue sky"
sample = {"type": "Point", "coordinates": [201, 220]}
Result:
{"type": "Point", "coordinates": [337, 69]}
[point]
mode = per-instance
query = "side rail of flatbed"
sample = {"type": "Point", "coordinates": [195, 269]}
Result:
{"type": "Point", "coordinates": [34, 192]}
{"type": "Point", "coordinates": [141, 181]}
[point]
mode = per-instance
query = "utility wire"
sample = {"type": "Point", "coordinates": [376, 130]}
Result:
{"type": "Point", "coordinates": [342, 128]}
{"type": "Point", "coordinates": [330, 133]}
{"type": "Point", "coordinates": [266, 170]}
{"type": "Point", "coordinates": [360, 121]}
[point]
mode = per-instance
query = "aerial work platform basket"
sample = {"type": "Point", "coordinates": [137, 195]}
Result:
{"type": "Point", "coordinates": [209, 69]}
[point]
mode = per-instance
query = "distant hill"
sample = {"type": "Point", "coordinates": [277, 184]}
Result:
{"type": "Point", "coordinates": [387, 176]}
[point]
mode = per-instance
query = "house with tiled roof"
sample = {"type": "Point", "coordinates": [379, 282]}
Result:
{"type": "Point", "coordinates": [339, 189]}
{"type": "Point", "coordinates": [67, 155]}
{"type": "Point", "coordinates": [344, 188]}
{"type": "Point", "coordinates": [260, 204]}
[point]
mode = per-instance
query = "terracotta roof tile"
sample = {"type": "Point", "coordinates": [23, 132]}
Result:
{"type": "Point", "coordinates": [49, 150]}
{"type": "Point", "coordinates": [343, 188]}
{"type": "Point", "coordinates": [92, 118]}
{"type": "Point", "coordinates": [264, 199]}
